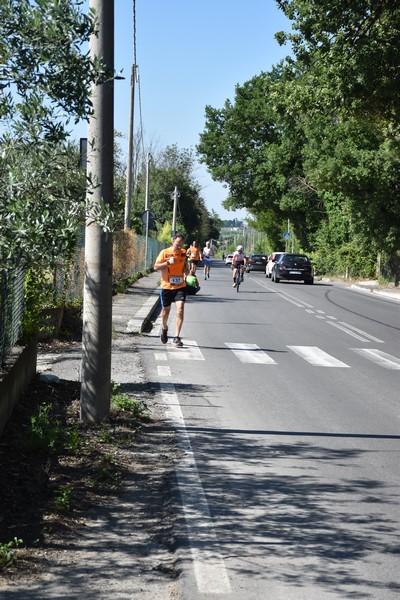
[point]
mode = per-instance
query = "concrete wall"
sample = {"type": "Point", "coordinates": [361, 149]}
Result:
{"type": "Point", "coordinates": [17, 373]}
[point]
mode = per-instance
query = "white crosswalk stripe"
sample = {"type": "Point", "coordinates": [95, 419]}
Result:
{"type": "Point", "coordinates": [250, 353]}
{"type": "Point", "coordinates": [190, 351]}
{"type": "Point", "coordinates": [380, 358]}
{"type": "Point", "coordinates": [317, 357]}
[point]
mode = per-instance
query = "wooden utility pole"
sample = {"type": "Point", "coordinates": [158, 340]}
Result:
{"type": "Point", "coordinates": [97, 304]}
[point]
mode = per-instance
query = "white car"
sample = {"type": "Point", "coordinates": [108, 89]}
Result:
{"type": "Point", "coordinates": [228, 259]}
{"type": "Point", "coordinates": [270, 263]}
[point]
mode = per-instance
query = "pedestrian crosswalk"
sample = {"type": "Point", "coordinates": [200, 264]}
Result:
{"type": "Point", "coordinates": [317, 357]}
{"type": "Point", "coordinates": [248, 353]}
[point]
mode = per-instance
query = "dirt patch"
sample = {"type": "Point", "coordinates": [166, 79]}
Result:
{"type": "Point", "coordinates": [66, 489]}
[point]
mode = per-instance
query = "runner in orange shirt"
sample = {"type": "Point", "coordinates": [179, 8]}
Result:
{"type": "Point", "coordinates": [172, 264]}
{"type": "Point", "coordinates": [193, 255]}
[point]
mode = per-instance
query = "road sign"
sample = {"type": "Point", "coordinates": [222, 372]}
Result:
{"type": "Point", "coordinates": [286, 235]}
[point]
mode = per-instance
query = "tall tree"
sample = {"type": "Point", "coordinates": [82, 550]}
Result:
{"type": "Point", "coordinates": [45, 82]}
{"type": "Point", "coordinates": [176, 167]}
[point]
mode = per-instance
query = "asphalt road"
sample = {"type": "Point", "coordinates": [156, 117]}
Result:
{"type": "Point", "coordinates": [286, 399]}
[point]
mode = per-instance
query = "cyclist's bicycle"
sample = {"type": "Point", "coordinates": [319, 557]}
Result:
{"type": "Point", "coordinates": [239, 276]}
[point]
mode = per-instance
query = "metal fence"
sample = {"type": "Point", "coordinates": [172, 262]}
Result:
{"type": "Point", "coordinates": [68, 280]}
{"type": "Point", "coordinates": [11, 309]}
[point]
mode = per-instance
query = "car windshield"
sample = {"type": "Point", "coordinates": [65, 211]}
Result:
{"type": "Point", "coordinates": [295, 259]}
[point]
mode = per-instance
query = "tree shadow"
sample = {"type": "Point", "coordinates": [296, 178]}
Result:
{"type": "Point", "coordinates": [283, 499]}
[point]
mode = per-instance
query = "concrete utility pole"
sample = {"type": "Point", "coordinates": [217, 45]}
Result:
{"type": "Point", "coordinates": [175, 197]}
{"type": "Point", "coordinates": [97, 305]}
{"type": "Point", "coordinates": [129, 172]}
{"type": "Point", "coordinates": [146, 208]}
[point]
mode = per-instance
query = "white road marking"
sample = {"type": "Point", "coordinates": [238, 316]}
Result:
{"type": "Point", "coordinates": [209, 568]}
{"type": "Point", "coordinates": [160, 356]}
{"type": "Point", "coordinates": [309, 310]}
{"type": "Point", "coordinates": [349, 332]}
{"type": "Point", "coordinates": [250, 353]}
{"type": "Point", "coordinates": [371, 337]}
{"type": "Point", "coordinates": [317, 357]}
{"type": "Point", "coordinates": [163, 371]}
{"type": "Point", "coordinates": [300, 305]}
{"type": "Point", "coordinates": [190, 351]}
{"type": "Point", "coordinates": [380, 358]}
{"type": "Point", "coordinates": [289, 298]}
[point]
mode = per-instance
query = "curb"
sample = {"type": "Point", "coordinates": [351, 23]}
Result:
{"type": "Point", "coordinates": [395, 295]}
{"type": "Point", "coordinates": [139, 322]}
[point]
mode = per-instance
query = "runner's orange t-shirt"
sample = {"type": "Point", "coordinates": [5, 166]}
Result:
{"type": "Point", "coordinates": [194, 252]}
{"type": "Point", "coordinates": [173, 276]}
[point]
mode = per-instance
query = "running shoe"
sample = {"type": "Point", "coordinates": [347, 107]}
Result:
{"type": "Point", "coordinates": [177, 342]}
{"type": "Point", "coordinates": [164, 335]}
{"type": "Point", "coordinates": [234, 285]}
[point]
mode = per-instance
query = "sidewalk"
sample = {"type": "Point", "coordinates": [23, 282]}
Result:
{"type": "Point", "coordinates": [132, 310]}
{"type": "Point", "coordinates": [131, 314]}
{"type": "Point", "coordinates": [368, 286]}
{"type": "Point", "coordinates": [374, 288]}
{"type": "Point", "coordinates": [124, 546]}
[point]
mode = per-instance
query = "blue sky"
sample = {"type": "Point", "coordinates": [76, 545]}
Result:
{"type": "Point", "coordinates": [191, 53]}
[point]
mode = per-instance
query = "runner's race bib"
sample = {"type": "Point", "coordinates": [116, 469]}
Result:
{"type": "Point", "coordinates": [175, 280]}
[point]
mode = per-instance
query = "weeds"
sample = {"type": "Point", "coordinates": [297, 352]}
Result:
{"type": "Point", "coordinates": [62, 499]}
{"type": "Point", "coordinates": [44, 430]}
{"type": "Point", "coordinates": [74, 440]}
{"type": "Point", "coordinates": [123, 401]}
{"type": "Point", "coordinates": [6, 553]}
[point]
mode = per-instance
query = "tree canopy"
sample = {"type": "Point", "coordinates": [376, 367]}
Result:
{"type": "Point", "coordinates": [316, 139]}
{"type": "Point", "coordinates": [174, 167]}
{"type": "Point", "coordinates": [45, 80]}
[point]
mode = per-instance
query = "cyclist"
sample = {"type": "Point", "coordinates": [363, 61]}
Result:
{"type": "Point", "coordinates": [238, 262]}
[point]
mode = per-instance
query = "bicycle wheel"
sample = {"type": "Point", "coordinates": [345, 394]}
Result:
{"type": "Point", "coordinates": [238, 278]}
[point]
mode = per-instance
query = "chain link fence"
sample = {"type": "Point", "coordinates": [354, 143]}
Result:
{"type": "Point", "coordinates": [11, 309]}
{"type": "Point", "coordinates": [129, 258]}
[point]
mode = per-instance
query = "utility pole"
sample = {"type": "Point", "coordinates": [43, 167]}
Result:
{"type": "Point", "coordinates": [175, 197]}
{"type": "Point", "coordinates": [97, 305]}
{"type": "Point", "coordinates": [129, 171]}
{"type": "Point", "coordinates": [146, 208]}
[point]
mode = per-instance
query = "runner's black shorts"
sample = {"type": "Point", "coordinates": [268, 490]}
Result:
{"type": "Point", "coordinates": [169, 296]}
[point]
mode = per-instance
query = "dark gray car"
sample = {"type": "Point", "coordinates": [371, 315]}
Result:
{"type": "Point", "coordinates": [256, 262]}
{"type": "Point", "coordinates": [293, 267]}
